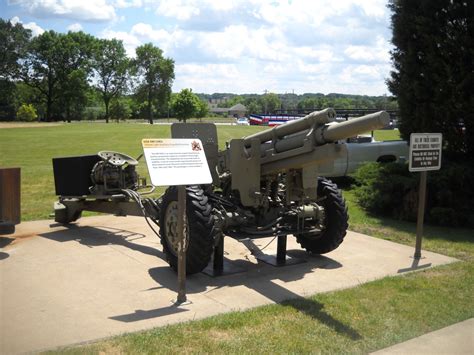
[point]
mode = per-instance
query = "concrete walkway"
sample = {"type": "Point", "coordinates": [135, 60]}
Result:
{"type": "Point", "coordinates": [455, 339]}
{"type": "Point", "coordinates": [106, 275]}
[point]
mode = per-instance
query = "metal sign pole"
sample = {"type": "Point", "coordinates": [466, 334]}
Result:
{"type": "Point", "coordinates": [421, 214]}
{"type": "Point", "coordinates": [181, 245]}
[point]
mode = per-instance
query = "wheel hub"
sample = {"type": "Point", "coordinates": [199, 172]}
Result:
{"type": "Point", "coordinates": [171, 228]}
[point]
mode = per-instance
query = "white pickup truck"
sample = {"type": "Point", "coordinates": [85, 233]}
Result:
{"type": "Point", "coordinates": [364, 148]}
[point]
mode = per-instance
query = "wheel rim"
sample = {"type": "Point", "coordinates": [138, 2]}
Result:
{"type": "Point", "coordinates": [171, 228]}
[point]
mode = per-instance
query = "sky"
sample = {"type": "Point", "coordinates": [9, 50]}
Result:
{"type": "Point", "coordinates": [248, 46]}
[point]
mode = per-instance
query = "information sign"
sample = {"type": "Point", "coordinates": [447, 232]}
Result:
{"type": "Point", "coordinates": [425, 151]}
{"type": "Point", "coordinates": [176, 162]}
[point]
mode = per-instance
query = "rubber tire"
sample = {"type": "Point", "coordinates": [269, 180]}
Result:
{"type": "Point", "coordinates": [200, 229]}
{"type": "Point", "coordinates": [336, 221]}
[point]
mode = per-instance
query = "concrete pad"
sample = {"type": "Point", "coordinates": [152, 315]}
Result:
{"type": "Point", "coordinates": [106, 275]}
{"type": "Point", "coordinates": [455, 339]}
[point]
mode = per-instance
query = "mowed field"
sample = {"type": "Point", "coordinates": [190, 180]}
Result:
{"type": "Point", "coordinates": [32, 147]}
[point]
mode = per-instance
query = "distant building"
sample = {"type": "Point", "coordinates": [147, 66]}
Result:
{"type": "Point", "coordinates": [238, 110]}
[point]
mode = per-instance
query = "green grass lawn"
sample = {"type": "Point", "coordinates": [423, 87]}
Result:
{"type": "Point", "coordinates": [357, 320]}
{"type": "Point", "coordinates": [32, 149]}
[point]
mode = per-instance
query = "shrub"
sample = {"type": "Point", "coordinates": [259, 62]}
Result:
{"type": "Point", "coordinates": [391, 190]}
{"type": "Point", "coordinates": [119, 110]}
{"type": "Point", "coordinates": [27, 113]}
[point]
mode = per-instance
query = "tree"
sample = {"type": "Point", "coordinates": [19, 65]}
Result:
{"type": "Point", "coordinates": [26, 113]}
{"type": "Point", "coordinates": [433, 76]}
{"type": "Point", "coordinates": [57, 66]}
{"type": "Point", "coordinates": [119, 110]}
{"type": "Point", "coordinates": [74, 73]}
{"type": "Point", "coordinates": [185, 104]}
{"type": "Point", "coordinates": [202, 109]}
{"type": "Point", "coordinates": [154, 75]}
{"type": "Point", "coordinates": [110, 65]}
{"type": "Point", "coordinates": [270, 102]}
{"type": "Point", "coordinates": [14, 39]}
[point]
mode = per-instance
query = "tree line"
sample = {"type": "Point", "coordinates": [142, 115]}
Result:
{"type": "Point", "coordinates": [74, 75]}
{"type": "Point", "coordinates": [59, 75]}
{"type": "Point", "coordinates": [294, 103]}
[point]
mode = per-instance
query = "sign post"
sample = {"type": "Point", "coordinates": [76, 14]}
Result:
{"type": "Point", "coordinates": [425, 155]}
{"type": "Point", "coordinates": [177, 162]}
{"type": "Point", "coordinates": [181, 245]}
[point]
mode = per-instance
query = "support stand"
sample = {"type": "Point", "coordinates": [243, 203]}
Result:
{"type": "Point", "coordinates": [182, 299]}
{"type": "Point", "coordinates": [421, 214]}
{"type": "Point", "coordinates": [280, 259]}
{"type": "Point", "coordinates": [219, 266]}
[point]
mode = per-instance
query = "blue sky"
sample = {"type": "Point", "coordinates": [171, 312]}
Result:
{"type": "Point", "coordinates": [246, 46]}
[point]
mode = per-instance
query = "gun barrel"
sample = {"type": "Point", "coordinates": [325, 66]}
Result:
{"type": "Point", "coordinates": [334, 132]}
{"type": "Point", "coordinates": [317, 117]}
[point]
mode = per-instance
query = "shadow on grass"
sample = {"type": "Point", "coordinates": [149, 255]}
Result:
{"type": "Point", "coordinates": [316, 311]}
{"type": "Point", "coordinates": [261, 278]}
{"type": "Point", "coordinates": [448, 234]}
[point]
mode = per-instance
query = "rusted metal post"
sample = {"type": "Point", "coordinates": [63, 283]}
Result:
{"type": "Point", "coordinates": [10, 197]}
{"type": "Point", "coordinates": [421, 214]}
{"type": "Point", "coordinates": [182, 245]}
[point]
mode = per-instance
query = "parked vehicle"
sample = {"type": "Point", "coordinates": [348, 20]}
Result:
{"type": "Point", "coordinates": [364, 148]}
{"type": "Point", "coordinates": [242, 122]}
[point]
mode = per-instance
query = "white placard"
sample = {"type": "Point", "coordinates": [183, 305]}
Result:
{"type": "Point", "coordinates": [425, 151]}
{"type": "Point", "coordinates": [176, 162]}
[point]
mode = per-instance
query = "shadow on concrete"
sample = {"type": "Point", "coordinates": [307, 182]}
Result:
{"type": "Point", "coordinates": [414, 266]}
{"type": "Point", "coordinates": [260, 277]}
{"type": "Point", "coordinates": [139, 314]}
{"type": "Point", "coordinates": [4, 241]}
{"type": "Point", "coordinates": [99, 236]}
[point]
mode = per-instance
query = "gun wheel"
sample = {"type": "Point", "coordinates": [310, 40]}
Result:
{"type": "Point", "coordinates": [199, 228]}
{"type": "Point", "coordinates": [334, 226]}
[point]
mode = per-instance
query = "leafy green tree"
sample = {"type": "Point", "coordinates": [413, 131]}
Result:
{"type": "Point", "coordinates": [14, 39]}
{"type": "Point", "coordinates": [185, 104]}
{"type": "Point", "coordinates": [202, 109]}
{"type": "Point", "coordinates": [57, 66]}
{"type": "Point", "coordinates": [26, 112]}
{"type": "Point", "coordinates": [154, 75]}
{"type": "Point", "coordinates": [270, 102]}
{"type": "Point", "coordinates": [433, 76]}
{"type": "Point", "coordinates": [120, 110]}
{"type": "Point", "coordinates": [110, 65]}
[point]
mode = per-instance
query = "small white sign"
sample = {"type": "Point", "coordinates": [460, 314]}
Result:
{"type": "Point", "coordinates": [176, 162]}
{"type": "Point", "coordinates": [425, 151]}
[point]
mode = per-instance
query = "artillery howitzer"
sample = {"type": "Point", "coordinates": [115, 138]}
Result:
{"type": "Point", "coordinates": [266, 184]}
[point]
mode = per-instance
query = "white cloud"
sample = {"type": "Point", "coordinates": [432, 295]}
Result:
{"type": "Point", "coordinates": [249, 45]}
{"type": "Point", "coordinates": [75, 27]}
{"type": "Point", "coordinates": [379, 52]}
{"type": "Point", "coordinates": [123, 4]}
{"type": "Point", "coordinates": [36, 30]}
{"type": "Point", "coordinates": [166, 40]}
{"type": "Point", "coordinates": [79, 10]}
{"type": "Point", "coordinates": [180, 9]}
{"type": "Point", "coordinates": [130, 42]}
